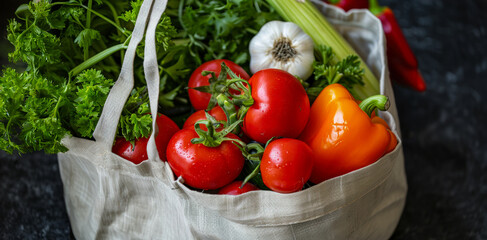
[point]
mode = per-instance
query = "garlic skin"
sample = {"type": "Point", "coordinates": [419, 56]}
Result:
{"type": "Point", "coordinates": [282, 45]}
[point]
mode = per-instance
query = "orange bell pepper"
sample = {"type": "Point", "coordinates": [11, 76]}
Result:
{"type": "Point", "coordinates": [379, 120]}
{"type": "Point", "coordinates": [393, 142]}
{"type": "Point", "coordinates": [342, 134]}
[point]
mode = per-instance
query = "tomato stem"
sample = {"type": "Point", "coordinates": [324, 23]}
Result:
{"type": "Point", "coordinates": [228, 107]}
{"type": "Point", "coordinates": [256, 156]}
{"type": "Point", "coordinates": [243, 100]}
{"type": "Point", "coordinates": [221, 85]}
{"type": "Point", "coordinates": [245, 96]}
{"type": "Point", "coordinates": [220, 88]}
{"type": "Point", "coordinates": [254, 173]}
{"type": "Point", "coordinates": [212, 138]}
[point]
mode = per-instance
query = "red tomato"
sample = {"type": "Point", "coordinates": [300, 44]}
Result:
{"type": "Point", "coordinates": [234, 188]}
{"type": "Point", "coordinates": [281, 106]}
{"type": "Point", "coordinates": [204, 167]}
{"type": "Point", "coordinates": [217, 112]}
{"type": "Point", "coordinates": [138, 152]}
{"type": "Point", "coordinates": [135, 153]}
{"type": "Point", "coordinates": [199, 99]}
{"type": "Point", "coordinates": [167, 128]}
{"type": "Point", "coordinates": [286, 165]}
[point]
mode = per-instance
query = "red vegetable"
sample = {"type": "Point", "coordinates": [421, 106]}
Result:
{"type": "Point", "coordinates": [286, 165]}
{"type": "Point", "coordinates": [167, 128]}
{"type": "Point", "coordinates": [236, 188]}
{"type": "Point", "coordinates": [217, 112]}
{"type": "Point", "coordinates": [281, 106]}
{"type": "Point", "coordinates": [199, 87]}
{"type": "Point", "coordinates": [137, 152]}
{"type": "Point", "coordinates": [403, 64]}
{"type": "Point", "coordinates": [350, 4]}
{"type": "Point", "coordinates": [204, 167]}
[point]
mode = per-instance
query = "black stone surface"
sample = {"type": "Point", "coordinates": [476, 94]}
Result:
{"type": "Point", "coordinates": [444, 133]}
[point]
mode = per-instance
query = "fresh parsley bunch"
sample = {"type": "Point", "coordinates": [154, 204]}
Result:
{"type": "Point", "coordinates": [73, 51]}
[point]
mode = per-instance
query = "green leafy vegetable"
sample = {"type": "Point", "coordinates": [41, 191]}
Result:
{"type": "Point", "coordinates": [328, 70]}
{"type": "Point", "coordinates": [91, 92]}
{"type": "Point", "coordinates": [73, 50]}
{"type": "Point", "coordinates": [30, 117]}
{"type": "Point", "coordinates": [69, 51]}
{"type": "Point", "coordinates": [223, 29]}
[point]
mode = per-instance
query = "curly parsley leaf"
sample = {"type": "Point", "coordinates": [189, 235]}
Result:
{"type": "Point", "coordinates": [328, 70]}
{"type": "Point", "coordinates": [131, 15]}
{"type": "Point", "coordinates": [136, 122]}
{"type": "Point", "coordinates": [33, 45]}
{"type": "Point", "coordinates": [30, 116]}
{"type": "Point", "coordinates": [92, 89]}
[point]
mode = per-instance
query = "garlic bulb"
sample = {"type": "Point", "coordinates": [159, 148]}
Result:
{"type": "Point", "coordinates": [282, 45]}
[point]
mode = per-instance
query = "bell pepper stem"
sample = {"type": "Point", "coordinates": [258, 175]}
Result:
{"type": "Point", "coordinates": [371, 103]}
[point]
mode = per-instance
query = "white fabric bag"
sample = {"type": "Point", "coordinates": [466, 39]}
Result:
{"type": "Point", "coordinates": [108, 197]}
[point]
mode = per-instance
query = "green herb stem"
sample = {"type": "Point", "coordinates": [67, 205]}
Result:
{"type": "Point", "coordinates": [22, 9]}
{"type": "Point", "coordinates": [117, 26]}
{"type": "Point", "coordinates": [117, 21]}
{"type": "Point", "coordinates": [97, 58]}
{"type": "Point", "coordinates": [107, 20]}
{"type": "Point", "coordinates": [86, 53]}
{"type": "Point", "coordinates": [114, 14]}
{"type": "Point", "coordinates": [110, 58]}
{"type": "Point", "coordinates": [181, 41]}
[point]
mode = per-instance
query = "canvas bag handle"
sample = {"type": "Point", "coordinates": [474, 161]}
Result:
{"type": "Point", "coordinates": [105, 131]}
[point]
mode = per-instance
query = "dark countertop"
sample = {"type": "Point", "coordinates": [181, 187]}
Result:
{"type": "Point", "coordinates": [444, 134]}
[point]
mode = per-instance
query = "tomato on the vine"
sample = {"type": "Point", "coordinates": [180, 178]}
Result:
{"type": "Point", "coordinates": [281, 106]}
{"type": "Point", "coordinates": [200, 99]}
{"type": "Point", "coordinates": [236, 188]}
{"type": "Point", "coordinates": [204, 167]}
{"type": "Point", "coordinates": [286, 165]}
{"type": "Point", "coordinates": [217, 112]}
{"type": "Point", "coordinates": [137, 152]}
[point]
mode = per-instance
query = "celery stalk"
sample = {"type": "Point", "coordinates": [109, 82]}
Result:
{"type": "Point", "coordinates": [305, 15]}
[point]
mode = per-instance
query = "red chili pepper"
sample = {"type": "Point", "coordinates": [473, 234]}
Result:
{"type": "Point", "coordinates": [403, 65]}
{"type": "Point", "coordinates": [349, 4]}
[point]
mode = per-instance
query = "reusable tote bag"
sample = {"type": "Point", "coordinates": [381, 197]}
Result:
{"type": "Point", "coordinates": [108, 197]}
